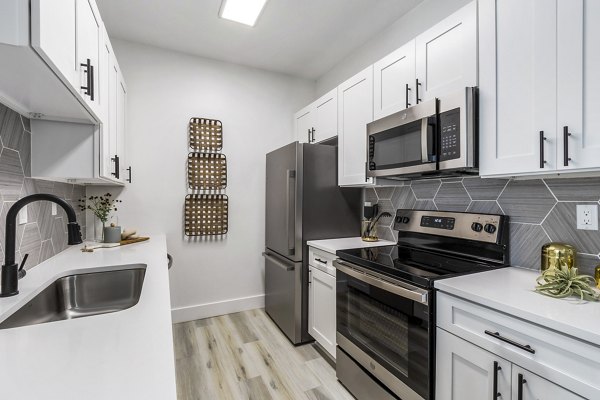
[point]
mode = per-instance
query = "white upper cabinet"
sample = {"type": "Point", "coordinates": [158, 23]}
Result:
{"type": "Point", "coordinates": [394, 81]}
{"type": "Point", "coordinates": [89, 33]}
{"type": "Point", "coordinates": [303, 124]}
{"type": "Point", "coordinates": [318, 121]}
{"type": "Point", "coordinates": [539, 88]}
{"type": "Point", "coordinates": [355, 111]}
{"type": "Point", "coordinates": [325, 117]}
{"type": "Point", "coordinates": [446, 55]}
{"type": "Point", "coordinates": [517, 86]}
{"type": "Point", "coordinates": [578, 86]}
{"type": "Point", "coordinates": [53, 36]}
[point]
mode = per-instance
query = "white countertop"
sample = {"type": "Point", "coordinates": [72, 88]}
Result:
{"type": "Point", "coordinates": [122, 355]}
{"type": "Point", "coordinates": [511, 290]}
{"type": "Point", "coordinates": [333, 245]}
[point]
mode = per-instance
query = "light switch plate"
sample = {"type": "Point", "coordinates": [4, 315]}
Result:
{"type": "Point", "coordinates": [23, 216]}
{"type": "Point", "coordinates": [54, 211]}
{"type": "Point", "coordinates": [587, 217]}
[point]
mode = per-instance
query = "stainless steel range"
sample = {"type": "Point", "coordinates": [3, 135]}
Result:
{"type": "Point", "coordinates": [386, 299]}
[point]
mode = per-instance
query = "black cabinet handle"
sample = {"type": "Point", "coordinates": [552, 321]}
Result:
{"type": "Point", "coordinates": [308, 135]}
{"type": "Point", "coordinates": [407, 90]}
{"type": "Point", "coordinates": [116, 160]}
{"type": "Point", "coordinates": [321, 261]}
{"type": "Point", "coordinates": [418, 84]}
{"type": "Point", "coordinates": [542, 157]}
{"type": "Point", "coordinates": [129, 170]}
{"type": "Point", "coordinates": [522, 381]}
{"type": "Point", "coordinates": [495, 393]}
{"type": "Point", "coordinates": [89, 71]}
{"type": "Point", "coordinates": [497, 335]}
{"type": "Point", "coordinates": [313, 134]}
{"type": "Point", "coordinates": [566, 135]}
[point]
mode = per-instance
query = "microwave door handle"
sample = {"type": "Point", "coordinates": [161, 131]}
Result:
{"type": "Point", "coordinates": [424, 141]}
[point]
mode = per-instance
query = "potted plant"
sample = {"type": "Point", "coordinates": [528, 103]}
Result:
{"type": "Point", "coordinates": [101, 207]}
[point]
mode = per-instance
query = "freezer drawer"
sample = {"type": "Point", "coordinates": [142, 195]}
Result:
{"type": "Point", "coordinates": [281, 279]}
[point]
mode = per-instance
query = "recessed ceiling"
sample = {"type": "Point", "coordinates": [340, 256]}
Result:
{"type": "Point", "coordinates": [304, 38]}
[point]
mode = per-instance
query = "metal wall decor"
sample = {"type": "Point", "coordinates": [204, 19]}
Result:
{"type": "Point", "coordinates": [206, 134]}
{"type": "Point", "coordinates": [207, 171]}
{"type": "Point", "coordinates": [206, 214]}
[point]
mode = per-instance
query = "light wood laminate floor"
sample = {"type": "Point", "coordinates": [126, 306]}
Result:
{"type": "Point", "coordinates": [245, 356]}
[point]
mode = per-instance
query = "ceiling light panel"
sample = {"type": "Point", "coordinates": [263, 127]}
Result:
{"type": "Point", "coordinates": [243, 11]}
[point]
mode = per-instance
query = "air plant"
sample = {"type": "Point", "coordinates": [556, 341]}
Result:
{"type": "Point", "coordinates": [374, 222]}
{"type": "Point", "coordinates": [564, 282]}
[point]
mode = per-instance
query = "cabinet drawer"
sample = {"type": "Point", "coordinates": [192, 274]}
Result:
{"type": "Point", "coordinates": [321, 260]}
{"type": "Point", "coordinates": [562, 359]}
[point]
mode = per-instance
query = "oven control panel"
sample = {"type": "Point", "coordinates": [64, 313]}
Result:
{"type": "Point", "coordinates": [450, 135]}
{"type": "Point", "coordinates": [480, 227]}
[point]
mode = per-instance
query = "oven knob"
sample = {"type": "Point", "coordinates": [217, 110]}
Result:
{"type": "Point", "coordinates": [405, 220]}
{"type": "Point", "coordinates": [476, 226]}
{"type": "Point", "coordinates": [398, 220]}
{"type": "Point", "coordinates": [489, 228]}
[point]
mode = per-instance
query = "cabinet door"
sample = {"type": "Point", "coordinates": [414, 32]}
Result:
{"type": "Point", "coordinates": [89, 34]}
{"type": "Point", "coordinates": [517, 86]}
{"type": "Point", "coordinates": [53, 36]}
{"type": "Point", "coordinates": [303, 122]}
{"type": "Point", "coordinates": [528, 386]}
{"type": "Point", "coordinates": [325, 117]}
{"type": "Point", "coordinates": [321, 309]}
{"type": "Point", "coordinates": [447, 54]}
{"type": "Point", "coordinates": [465, 371]}
{"type": "Point", "coordinates": [578, 84]}
{"type": "Point", "coordinates": [355, 111]}
{"type": "Point", "coordinates": [394, 81]}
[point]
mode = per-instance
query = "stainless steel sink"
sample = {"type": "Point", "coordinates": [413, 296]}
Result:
{"type": "Point", "coordinates": [82, 295]}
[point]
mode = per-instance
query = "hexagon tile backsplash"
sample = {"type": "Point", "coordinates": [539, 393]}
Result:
{"type": "Point", "coordinates": [44, 235]}
{"type": "Point", "coordinates": [540, 210]}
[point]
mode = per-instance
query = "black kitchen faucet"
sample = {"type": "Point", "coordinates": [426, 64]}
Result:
{"type": "Point", "coordinates": [11, 272]}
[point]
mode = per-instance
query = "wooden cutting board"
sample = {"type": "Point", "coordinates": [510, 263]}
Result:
{"type": "Point", "coordinates": [132, 241]}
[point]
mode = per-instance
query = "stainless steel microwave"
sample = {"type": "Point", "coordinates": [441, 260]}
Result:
{"type": "Point", "coordinates": [435, 137]}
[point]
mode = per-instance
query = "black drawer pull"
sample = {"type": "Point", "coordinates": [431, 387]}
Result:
{"type": "Point", "coordinates": [497, 335]}
{"type": "Point", "coordinates": [321, 261]}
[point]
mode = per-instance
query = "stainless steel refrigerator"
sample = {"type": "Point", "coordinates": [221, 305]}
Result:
{"type": "Point", "coordinates": [303, 202]}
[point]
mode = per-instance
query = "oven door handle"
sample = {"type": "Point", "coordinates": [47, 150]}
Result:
{"type": "Point", "coordinates": [414, 293]}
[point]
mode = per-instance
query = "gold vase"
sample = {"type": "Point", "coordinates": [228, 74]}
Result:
{"type": "Point", "coordinates": [368, 236]}
{"type": "Point", "coordinates": [554, 255]}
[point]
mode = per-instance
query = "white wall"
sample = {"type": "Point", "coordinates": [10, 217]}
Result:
{"type": "Point", "coordinates": [165, 89]}
{"type": "Point", "coordinates": [415, 22]}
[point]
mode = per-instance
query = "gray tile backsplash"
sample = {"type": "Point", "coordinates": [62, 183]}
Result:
{"type": "Point", "coordinates": [540, 210]}
{"type": "Point", "coordinates": [44, 235]}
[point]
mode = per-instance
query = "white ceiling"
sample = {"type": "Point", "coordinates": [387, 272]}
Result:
{"type": "Point", "coordinates": [304, 38]}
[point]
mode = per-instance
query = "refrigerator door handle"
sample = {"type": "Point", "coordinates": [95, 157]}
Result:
{"type": "Point", "coordinates": [278, 263]}
{"type": "Point", "coordinates": [290, 227]}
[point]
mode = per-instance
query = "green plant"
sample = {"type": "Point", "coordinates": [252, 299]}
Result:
{"type": "Point", "coordinates": [101, 206]}
{"type": "Point", "coordinates": [565, 282]}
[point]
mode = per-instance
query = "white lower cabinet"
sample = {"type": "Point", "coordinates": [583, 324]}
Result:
{"type": "Point", "coordinates": [321, 299]}
{"type": "Point", "coordinates": [466, 371]}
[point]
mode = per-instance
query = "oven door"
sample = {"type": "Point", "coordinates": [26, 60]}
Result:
{"type": "Point", "coordinates": [404, 142]}
{"type": "Point", "coordinates": [385, 327]}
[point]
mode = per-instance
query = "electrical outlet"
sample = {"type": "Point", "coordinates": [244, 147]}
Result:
{"type": "Point", "coordinates": [23, 216]}
{"type": "Point", "coordinates": [587, 217]}
{"type": "Point", "coordinates": [54, 211]}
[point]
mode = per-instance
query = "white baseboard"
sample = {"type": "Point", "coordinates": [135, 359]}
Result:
{"type": "Point", "coordinates": [200, 311]}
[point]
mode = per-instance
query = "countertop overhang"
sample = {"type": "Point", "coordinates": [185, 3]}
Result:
{"type": "Point", "coordinates": [333, 245]}
{"type": "Point", "coordinates": [121, 355]}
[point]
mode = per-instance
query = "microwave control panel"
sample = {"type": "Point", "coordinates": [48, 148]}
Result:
{"type": "Point", "coordinates": [450, 135]}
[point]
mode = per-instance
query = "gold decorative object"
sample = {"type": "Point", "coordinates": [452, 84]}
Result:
{"type": "Point", "coordinates": [206, 214]}
{"type": "Point", "coordinates": [554, 255]}
{"type": "Point", "coordinates": [207, 171]}
{"type": "Point", "coordinates": [597, 276]}
{"type": "Point", "coordinates": [368, 234]}
{"type": "Point", "coordinates": [206, 134]}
